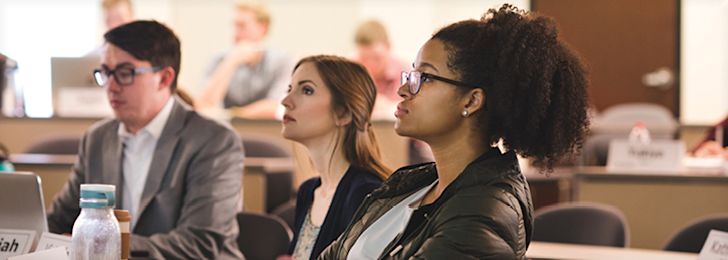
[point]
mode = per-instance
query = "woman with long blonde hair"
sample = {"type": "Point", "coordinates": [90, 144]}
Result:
{"type": "Point", "coordinates": [328, 110]}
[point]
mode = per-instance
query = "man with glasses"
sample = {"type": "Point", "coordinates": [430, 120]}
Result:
{"type": "Point", "coordinates": [177, 173]}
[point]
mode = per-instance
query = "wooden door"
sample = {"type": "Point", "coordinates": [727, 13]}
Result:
{"type": "Point", "coordinates": [631, 48]}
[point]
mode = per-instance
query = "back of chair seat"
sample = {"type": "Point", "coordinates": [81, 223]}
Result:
{"type": "Point", "coordinates": [692, 237]}
{"type": "Point", "coordinates": [56, 145]}
{"type": "Point", "coordinates": [262, 237]}
{"type": "Point", "coordinates": [581, 223]}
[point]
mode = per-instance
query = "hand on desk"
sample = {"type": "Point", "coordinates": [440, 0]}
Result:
{"type": "Point", "coordinates": [712, 149]}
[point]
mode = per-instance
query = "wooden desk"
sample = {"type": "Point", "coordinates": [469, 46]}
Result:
{"type": "Point", "coordinates": [55, 169]}
{"type": "Point", "coordinates": [656, 205]}
{"type": "Point", "coordinates": [255, 180]}
{"type": "Point", "coordinates": [18, 134]}
{"type": "Point", "coordinates": [543, 250]}
{"type": "Point", "coordinates": [549, 189]}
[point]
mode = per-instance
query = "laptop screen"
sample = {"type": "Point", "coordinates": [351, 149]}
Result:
{"type": "Point", "coordinates": [21, 203]}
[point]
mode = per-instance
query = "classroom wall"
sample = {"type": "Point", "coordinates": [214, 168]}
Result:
{"type": "Point", "coordinates": [704, 78]}
{"type": "Point", "coordinates": [308, 27]}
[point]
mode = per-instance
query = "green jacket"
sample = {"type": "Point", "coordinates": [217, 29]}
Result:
{"type": "Point", "coordinates": [485, 213]}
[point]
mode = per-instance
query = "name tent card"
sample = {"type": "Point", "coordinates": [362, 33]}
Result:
{"type": "Point", "coordinates": [56, 253]}
{"type": "Point", "coordinates": [715, 247]}
{"type": "Point", "coordinates": [657, 156]}
{"type": "Point", "coordinates": [50, 240]}
{"type": "Point", "coordinates": [15, 242]}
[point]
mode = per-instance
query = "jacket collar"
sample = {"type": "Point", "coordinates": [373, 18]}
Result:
{"type": "Point", "coordinates": [164, 150]}
{"type": "Point", "coordinates": [488, 167]}
{"type": "Point", "coordinates": [166, 145]}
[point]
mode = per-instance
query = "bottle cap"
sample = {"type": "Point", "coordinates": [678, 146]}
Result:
{"type": "Point", "coordinates": [98, 196]}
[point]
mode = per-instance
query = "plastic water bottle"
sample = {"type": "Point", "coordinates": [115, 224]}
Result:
{"type": "Point", "coordinates": [639, 134]}
{"type": "Point", "coordinates": [5, 165]}
{"type": "Point", "coordinates": [96, 234]}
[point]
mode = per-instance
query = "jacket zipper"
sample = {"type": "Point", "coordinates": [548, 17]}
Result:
{"type": "Point", "coordinates": [394, 248]}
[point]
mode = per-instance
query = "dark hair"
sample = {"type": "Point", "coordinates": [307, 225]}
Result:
{"type": "Point", "coordinates": [353, 92]}
{"type": "Point", "coordinates": [535, 85]}
{"type": "Point", "coordinates": [148, 41]}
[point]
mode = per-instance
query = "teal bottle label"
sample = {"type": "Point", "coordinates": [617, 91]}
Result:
{"type": "Point", "coordinates": [94, 199]}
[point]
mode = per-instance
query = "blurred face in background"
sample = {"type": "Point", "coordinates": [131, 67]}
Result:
{"type": "Point", "coordinates": [374, 57]}
{"type": "Point", "coordinates": [247, 27]}
{"type": "Point", "coordinates": [117, 14]}
{"type": "Point", "coordinates": [309, 116]}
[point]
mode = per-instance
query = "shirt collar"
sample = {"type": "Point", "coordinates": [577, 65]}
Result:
{"type": "Point", "coordinates": [155, 126]}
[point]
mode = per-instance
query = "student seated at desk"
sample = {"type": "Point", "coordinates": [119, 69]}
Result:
{"type": "Point", "coordinates": [177, 173]}
{"type": "Point", "coordinates": [328, 109]}
{"type": "Point", "coordinates": [504, 77]}
{"type": "Point", "coordinates": [250, 78]}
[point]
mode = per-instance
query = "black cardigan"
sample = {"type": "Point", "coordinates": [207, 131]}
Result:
{"type": "Point", "coordinates": [351, 191]}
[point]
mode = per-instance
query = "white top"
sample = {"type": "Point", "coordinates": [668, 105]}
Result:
{"type": "Point", "coordinates": [138, 153]}
{"type": "Point", "coordinates": [377, 236]}
{"type": "Point", "coordinates": [306, 238]}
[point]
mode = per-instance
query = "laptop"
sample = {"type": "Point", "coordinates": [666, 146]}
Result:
{"type": "Point", "coordinates": [21, 203]}
{"type": "Point", "coordinates": [75, 94]}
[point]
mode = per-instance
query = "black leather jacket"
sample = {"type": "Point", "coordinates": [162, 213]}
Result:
{"type": "Point", "coordinates": [485, 213]}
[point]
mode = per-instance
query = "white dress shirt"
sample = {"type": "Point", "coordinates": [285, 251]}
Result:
{"type": "Point", "coordinates": [138, 154]}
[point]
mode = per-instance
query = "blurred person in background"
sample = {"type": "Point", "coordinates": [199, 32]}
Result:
{"type": "Point", "coordinates": [250, 78]}
{"type": "Point", "coordinates": [715, 142]}
{"type": "Point", "coordinates": [116, 12]}
{"type": "Point", "coordinates": [374, 52]}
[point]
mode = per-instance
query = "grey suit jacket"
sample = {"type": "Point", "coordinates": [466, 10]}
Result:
{"type": "Point", "coordinates": [191, 196]}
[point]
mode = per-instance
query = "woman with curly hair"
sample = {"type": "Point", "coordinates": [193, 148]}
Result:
{"type": "Point", "coordinates": [506, 77]}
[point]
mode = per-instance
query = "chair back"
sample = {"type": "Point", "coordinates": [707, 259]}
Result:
{"type": "Point", "coordinates": [621, 118]}
{"type": "Point", "coordinates": [279, 186]}
{"type": "Point", "coordinates": [617, 121]}
{"type": "Point", "coordinates": [287, 212]}
{"type": "Point", "coordinates": [581, 223]}
{"type": "Point", "coordinates": [262, 237]}
{"type": "Point", "coordinates": [692, 237]}
{"type": "Point", "coordinates": [56, 145]}
{"type": "Point", "coordinates": [261, 146]}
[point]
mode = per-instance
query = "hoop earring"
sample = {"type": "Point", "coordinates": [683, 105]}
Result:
{"type": "Point", "coordinates": [465, 113]}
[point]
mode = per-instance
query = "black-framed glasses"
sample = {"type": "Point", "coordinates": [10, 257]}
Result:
{"type": "Point", "coordinates": [124, 76]}
{"type": "Point", "coordinates": [414, 80]}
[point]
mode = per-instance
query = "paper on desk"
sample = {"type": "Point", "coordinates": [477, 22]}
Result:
{"type": "Point", "coordinates": [703, 162]}
{"type": "Point", "coordinates": [715, 246]}
{"type": "Point", "coordinates": [57, 253]}
{"type": "Point", "coordinates": [49, 240]}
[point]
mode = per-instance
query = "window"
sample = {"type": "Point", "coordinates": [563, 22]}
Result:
{"type": "Point", "coordinates": [31, 32]}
